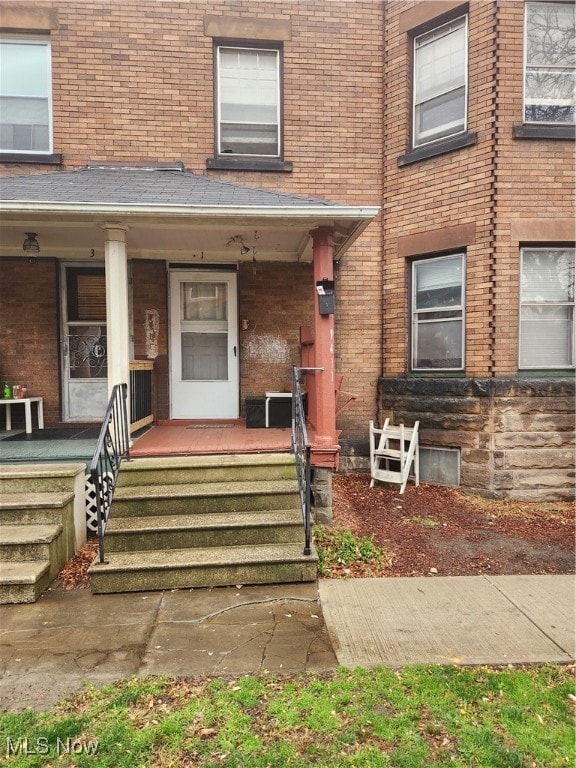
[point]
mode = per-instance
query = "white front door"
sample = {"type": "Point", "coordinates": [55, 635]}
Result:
{"type": "Point", "coordinates": [203, 345]}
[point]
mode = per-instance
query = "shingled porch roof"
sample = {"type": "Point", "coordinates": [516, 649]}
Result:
{"type": "Point", "coordinates": [170, 199]}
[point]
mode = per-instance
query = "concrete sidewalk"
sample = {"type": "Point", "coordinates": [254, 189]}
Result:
{"type": "Point", "coordinates": [450, 620]}
{"type": "Point", "coordinates": [50, 648]}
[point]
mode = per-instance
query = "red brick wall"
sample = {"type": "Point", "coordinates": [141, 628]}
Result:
{"type": "Point", "coordinates": [29, 352]}
{"type": "Point", "coordinates": [431, 196]}
{"type": "Point", "coordinates": [275, 300]}
{"type": "Point", "coordinates": [149, 293]}
{"type": "Point", "coordinates": [500, 186]}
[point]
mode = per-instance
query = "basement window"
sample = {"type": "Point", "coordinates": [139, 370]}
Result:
{"type": "Point", "coordinates": [439, 465]}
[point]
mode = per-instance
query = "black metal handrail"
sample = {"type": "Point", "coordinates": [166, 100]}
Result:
{"type": "Point", "coordinates": [301, 451]}
{"type": "Point", "coordinates": [113, 445]}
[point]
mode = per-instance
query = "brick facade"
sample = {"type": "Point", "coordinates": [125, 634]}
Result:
{"type": "Point", "coordinates": [132, 82]}
{"type": "Point", "coordinates": [487, 199]}
{"type": "Point", "coordinates": [29, 339]}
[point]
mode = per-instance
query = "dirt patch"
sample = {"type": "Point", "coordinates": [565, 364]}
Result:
{"type": "Point", "coordinates": [434, 529]}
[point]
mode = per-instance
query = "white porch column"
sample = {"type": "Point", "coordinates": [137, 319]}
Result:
{"type": "Point", "coordinates": [118, 333]}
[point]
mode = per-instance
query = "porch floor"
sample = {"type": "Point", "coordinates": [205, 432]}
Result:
{"type": "Point", "coordinates": [178, 438]}
{"type": "Point", "coordinates": [189, 438]}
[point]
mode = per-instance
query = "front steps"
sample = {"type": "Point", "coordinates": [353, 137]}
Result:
{"type": "Point", "coordinates": [183, 522]}
{"type": "Point", "coordinates": [37, 530]}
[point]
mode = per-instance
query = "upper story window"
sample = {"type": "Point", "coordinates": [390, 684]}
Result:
{"type": "Point", "coordinates": [549, 74]}
{"type": "Point", "coordinates": [440, 82]}
{"type": "Point", "coordinates": [25, 96]}
{"type": "Point", "coordinates": [248, 101]}
{"type": "Point", "coordinates": [438, 313]}
{"type": "Point", "coordinates": [547, 308]}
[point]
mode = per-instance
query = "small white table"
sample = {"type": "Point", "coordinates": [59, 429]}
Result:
{"type": "Point", "coordinates": [27, 403]}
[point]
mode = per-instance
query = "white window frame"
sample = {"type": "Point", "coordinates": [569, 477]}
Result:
{"type": "Point", "coordinates": [42, 41]}
{"type": "Point", "coordinates": [418, 317]}
{"type": "Point", "coordinates": [570, 304]}
{"type": "Point", "coordinates": [277, 50]}
{"type": "Point", "coordinates": [429, 137]}
{"type": "Point", "coordinates": [527, 100]}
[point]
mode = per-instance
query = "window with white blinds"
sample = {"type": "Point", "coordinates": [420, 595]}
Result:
{"type": "Point", "coordinates": [547, 308]}
{"type": "Point", "coordinates": [248, 101]}
{"type": "Point", "coordinates": [440, 82]}
{"type": "Point", "coordinates": [25, 96]}
{"type": "Point", "coordinates": [438, 313]}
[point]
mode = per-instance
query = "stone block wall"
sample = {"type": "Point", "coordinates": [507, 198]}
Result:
{"type": "Point", "coordinates": [516, 435]}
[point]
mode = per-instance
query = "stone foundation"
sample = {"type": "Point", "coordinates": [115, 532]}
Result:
{"type": "Point", "coordinates": [516, 435]}
{"type": "Point", "coordinates": [321, 485]}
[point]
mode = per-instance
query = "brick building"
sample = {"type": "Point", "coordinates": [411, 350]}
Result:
{"type": "Point", "coordinates": [405, 150]}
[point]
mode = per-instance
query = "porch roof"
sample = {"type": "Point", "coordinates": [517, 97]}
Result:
{"type": "Point", "coordinates": [169, 212]}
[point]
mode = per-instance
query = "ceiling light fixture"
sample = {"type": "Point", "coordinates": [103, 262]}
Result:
{"type": "Point", "coordinates": [239, 240]}
{"type": "Point", "coordinates": [30, 244]}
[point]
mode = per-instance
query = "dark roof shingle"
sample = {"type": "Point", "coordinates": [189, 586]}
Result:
{"type": "Point", "coordinates": [131, 186]}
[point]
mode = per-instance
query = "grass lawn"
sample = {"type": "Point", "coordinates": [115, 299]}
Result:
{"type": "Point", "coordinates": [427, 716]}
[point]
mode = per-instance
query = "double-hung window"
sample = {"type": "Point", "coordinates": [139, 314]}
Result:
{"type": "Point", "coordinates": [248, 101]}
{"type": "Point", "coordinates": [440, 82]}
{"type": "Point", "coordinates": [438, 313]}
{"type": "Point", "coordinates": [25, 96]}
{"type": "Point", "coordinates": [547, 308]}
{"type": "Point", "coordinates": [549, 73]}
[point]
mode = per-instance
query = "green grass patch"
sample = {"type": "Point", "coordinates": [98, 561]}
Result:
{"type": "Point", "coordinates": [419, 717]}
{"type": "Point", "coordinates": [341, 551]}
{"type": "Point", "coordinates": [425, 521]}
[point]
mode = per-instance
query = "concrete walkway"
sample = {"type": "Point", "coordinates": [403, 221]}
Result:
{"type": "Point", "coordinates": [51, 648]}
{"type": "Point", "coordinates": [450, 620]}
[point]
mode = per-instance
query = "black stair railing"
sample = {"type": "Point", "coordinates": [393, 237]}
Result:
{"type": "Point", "coordinates": [301, 451]}
{"type": "Point", "coordinates": [113, 445]}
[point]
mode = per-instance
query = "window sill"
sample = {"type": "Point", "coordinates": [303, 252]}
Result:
{"type": "Point", "coordinates": [546, 373]}
{"type": "Point", "coordinates": [19, 157]}
{"type": "Point", "coordinates": [438, 148]}
{"type": "Point", "coordinates": [531, 131]}
{"type": "Point", "coordinates": [437, 372]}
{"type": "Point", "coordinates": [248, 164]}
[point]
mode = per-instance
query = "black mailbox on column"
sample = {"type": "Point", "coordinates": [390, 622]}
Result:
{"type": "Point", "coordinates": [325, 291]}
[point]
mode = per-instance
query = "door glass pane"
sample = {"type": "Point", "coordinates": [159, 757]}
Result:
{"type": "Point", "coordinates": [204, 301]}
{"type": "Point", "coordinates": [204, 356]}
{"type": "Point", "coordinates": [87, 352]}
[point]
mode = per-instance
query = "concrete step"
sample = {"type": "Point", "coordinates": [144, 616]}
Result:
{"type": "Point", "coordinates": [127, 534]}
{"type": "Point", "coordinates": [19, 543]}
{"type": "Point", "coordinates": [28, 507]}
{"type": "Point", "coordinates": [213, 566]}
{"type": "Point", "coordinates": [39, 477]}
{"type": "Point", "coordinates": [200, 498]}
{"type": "Point", "coordinates": [206, 469]}
{"type": "Point", "coordinates": [23, 582]}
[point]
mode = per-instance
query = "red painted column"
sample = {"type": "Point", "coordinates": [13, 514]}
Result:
{"type": "Point", "coordinates": [323, 381]}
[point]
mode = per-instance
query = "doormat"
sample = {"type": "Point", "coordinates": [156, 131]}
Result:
{"type": "Point", "coordinates": [211, 426]}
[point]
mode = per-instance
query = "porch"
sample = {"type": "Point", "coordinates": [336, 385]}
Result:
{"type": "Point", "coordinates": [176, 438]}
